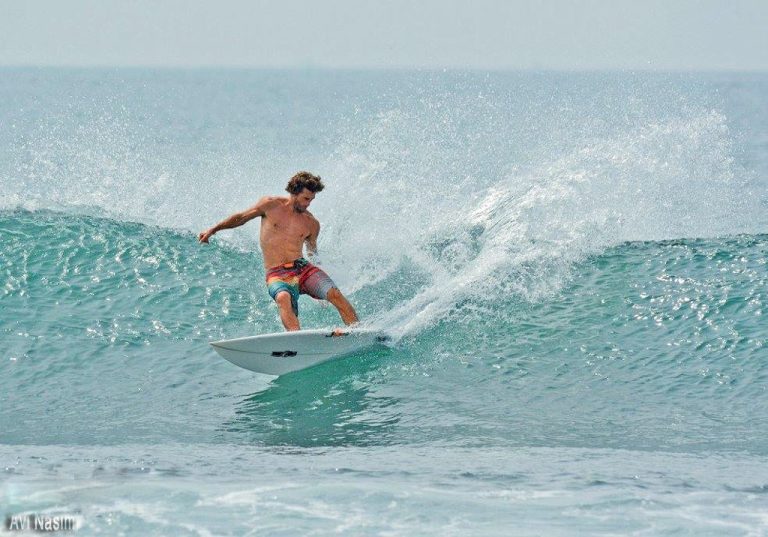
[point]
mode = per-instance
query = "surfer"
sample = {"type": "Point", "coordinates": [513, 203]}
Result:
{"type": "Point", "coordinates": [286, 226]}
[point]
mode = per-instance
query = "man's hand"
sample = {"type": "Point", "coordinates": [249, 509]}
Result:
{"type": "Point", "coordinates": [205, 235]}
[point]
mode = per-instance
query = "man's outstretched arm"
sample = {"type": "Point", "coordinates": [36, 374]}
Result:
{"type": "Point", "coordinates": [237, 219]}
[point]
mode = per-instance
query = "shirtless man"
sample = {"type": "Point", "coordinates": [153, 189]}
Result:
{"type": "Point", "coordinates": [286, 225]}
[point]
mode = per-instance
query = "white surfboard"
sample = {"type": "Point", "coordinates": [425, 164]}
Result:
{"type": "Point", "coordinates": [283, 352]}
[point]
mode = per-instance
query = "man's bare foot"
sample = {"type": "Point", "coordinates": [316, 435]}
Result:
{"type": "Point", "coordinates": [339, 332]}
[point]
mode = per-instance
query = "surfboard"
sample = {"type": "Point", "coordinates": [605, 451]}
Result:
{"type": "Point", "coordinates": [285, 352]}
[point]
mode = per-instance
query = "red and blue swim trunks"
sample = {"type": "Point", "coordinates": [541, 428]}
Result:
{"type": "Point", "coordinates": [299, 277]}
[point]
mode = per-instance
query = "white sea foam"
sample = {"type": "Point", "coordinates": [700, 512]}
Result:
{"type": "Point", "coordinates": [519, 235]}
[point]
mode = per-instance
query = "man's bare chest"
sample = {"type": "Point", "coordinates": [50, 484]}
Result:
{"type": "Point", "coordinates": [287, 226]}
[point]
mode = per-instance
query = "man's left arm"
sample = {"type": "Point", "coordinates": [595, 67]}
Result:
{"type": "Point", "coordinates": [311, 242]}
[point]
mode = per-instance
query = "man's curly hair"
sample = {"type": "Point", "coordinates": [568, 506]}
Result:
{"type": "Point", "coordinates": [303, 180]}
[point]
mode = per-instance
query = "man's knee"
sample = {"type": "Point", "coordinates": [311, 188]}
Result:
{"type": "Point", "coordinates": [334, 295]}
{"type": "Point", "coordinates": [283, 299]}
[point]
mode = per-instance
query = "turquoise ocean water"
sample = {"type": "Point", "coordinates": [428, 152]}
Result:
{"type": "Point", "coordinates": [572, 267]}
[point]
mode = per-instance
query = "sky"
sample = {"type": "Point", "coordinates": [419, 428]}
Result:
{"type": "Point", "coordinates": [425, 34]}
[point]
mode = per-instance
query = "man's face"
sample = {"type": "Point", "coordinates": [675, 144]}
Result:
{"type": "Point", "coordinates": [302, 200]}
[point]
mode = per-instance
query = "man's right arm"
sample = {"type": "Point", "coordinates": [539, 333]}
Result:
{"type": "Point", "coordinates": [237, 219]}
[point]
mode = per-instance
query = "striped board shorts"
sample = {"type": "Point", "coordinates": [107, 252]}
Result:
{"type": "Point", "coordinates": [299, 277]}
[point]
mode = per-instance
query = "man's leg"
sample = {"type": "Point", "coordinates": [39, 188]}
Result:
{"type": "Point", "coordinates": [346, 310]}
{"type": "Point", "coordinates": [289, 318]}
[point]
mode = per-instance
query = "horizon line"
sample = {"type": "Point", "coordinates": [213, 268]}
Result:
{"type": "Point", "coordinates": [382, 68]}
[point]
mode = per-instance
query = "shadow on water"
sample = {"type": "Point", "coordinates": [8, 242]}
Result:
{"type": "Point", "coordinates": [332, 404]}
